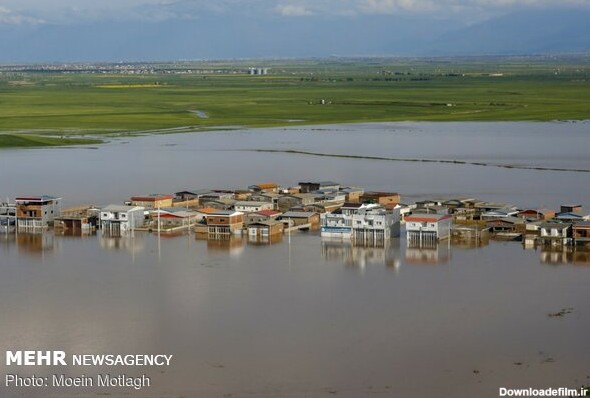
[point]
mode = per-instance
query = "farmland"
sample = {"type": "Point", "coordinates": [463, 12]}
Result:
{"type": "Point", "coordinates": [59, 104]}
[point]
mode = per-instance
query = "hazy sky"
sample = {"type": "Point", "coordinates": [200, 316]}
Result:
{"type": "Point", "coordinates": [98, 30]}
{"type": "Point", "coordinates": [22, 12]}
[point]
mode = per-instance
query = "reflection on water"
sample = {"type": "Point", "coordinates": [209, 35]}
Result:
{"type": "Point", "coordinates": [558, 255]}
{"type": "Point", "coordinates": [277, 318]}
{"type": "Point", "coordinates": [347, 252]}
{"type": "Point", "coordinates": [228, 243]}
{"type": "Point", "coordinates": [188, 163]}
{"type": "Point", "coordinates": [360, 255]}
{"type": "Point", "coordinates": [128, 244]}
{"type": "Point", "coordinates": [260, 240]}
{"type": "Point", "coordinates": [36, 243]}
{"type": "Point", "coordinates": [254, 318]}
{"type": "Point", "coordinates": [431, 253]}
{"type": "Point", "coordinates": [565, 255]}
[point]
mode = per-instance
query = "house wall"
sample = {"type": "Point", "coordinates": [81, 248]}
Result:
{"type": "Point", "coordinates": [254, 218]}
{"type": "Point", "coordinates": [124, 220]}
{"type": "Point", "coordinates": [153, 204]}
{"type": "Point", "coordinates": [186, 203]}
{"type": "Point", "coordinates": [225, 224]}
{"type": "Point", "coordinates": [387, 200]}
{"type": "Point", "coordinates": [554, 232]}
{"type": "Point", "coordinates": [440, 229]}
{"type": "Point", "coordinates": [336, 226]}
{"type": "Point", "coordinates": [287, 202]}
{"type": "Point", "coordinates": [353, 196]}
{"type": "Point", "coordinates": [254, 207]}
{"type": "Point", "coordinates": [314, 220]}
{"type": "Point", "coordinates": [44, 212]}
{"type": "Point", "coordinates": [225, 220]}
{"type": "Point", "coordinates": [265, 230]}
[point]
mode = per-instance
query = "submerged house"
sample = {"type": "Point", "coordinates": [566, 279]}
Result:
{"type": "Point", "coordinates": [80, 219]}
{"type": "Point", "coordinates": [581, 233]}
{"type": "Point", "coordinates": [152, 201]}
{"type": "Point", "coordinates": [7, 217]}
{"type": "Point", "coordinates": [353, 194]}
{"type": "Point", "coordinates": [265, 187]}
{"type": "Point", "coordinates": [555, 234]}
{"type": "Point", "coordinates": [265, 229]}
{"type": "Point", "coordinates": [499, 213]}
{"type": "Point", "coordinates": [428, 227]}
{"type": "Point", "coordinates": [173, 217]}
{"type": "Point", "coordinates": [506, 224]}
{"type": "Point", "coordinates": [222, 222]}
{"type": "Point", "coordinates": [366, 222]}
{"type": "Point", "coordinates": [570, 208]}
{"type": "Point", "coordinates": [536, 214]}
{"type": "Point", "coordinates": [220, 204]}
{"type": "Point", "coordinates": [269, 197]}
{"type": "Point", "coordinates": [433, 209]}
{"type": "Point", "coordinates": [572, 216]}
{"type": "Point", "coordinates": [117, 220]}
{"type": "Point", "coordinates": [307, 187]}
{"type": "Point", "coordinates": [249, 206]}
{"type": "Point", "coordinates": [37, 211]}
{"type": "Point", "coordinates": [262, 215]}
{"type": "Point", "coordinates": [386, 199]}
{"type": "Point", "coordinates": [299, 218]}
{"type": "Point", "coordinates": [286, 202]}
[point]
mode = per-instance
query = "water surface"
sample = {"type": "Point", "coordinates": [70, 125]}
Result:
{"type": "Point", "coordinates": [309, 318]}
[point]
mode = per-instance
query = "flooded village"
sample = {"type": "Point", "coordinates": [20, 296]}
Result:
{"type": "Point", "coordinates": [352, 276]}
{"type": "Point", "coordinates": [345, 216]}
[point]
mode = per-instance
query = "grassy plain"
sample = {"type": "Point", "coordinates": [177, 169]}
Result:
{"type": "Point", "coordinates": [295, 92]}
{"type": "Point", "coordinates": [33, 140]}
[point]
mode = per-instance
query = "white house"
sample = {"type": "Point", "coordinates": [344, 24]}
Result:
{"type": "Point", "coordinates": [428, 227]}
{"type": "Point", "coordinates": [365, 222]}
{"type": "Point", "coordinates": [117, 219]}
{"type": "Point", "coordinates": [37, 211]}
{"type": "Point", "coordinates": [555, 233]}
{"type": "Point", "coordinates": [248, 206]}
{"type": "Point", "coordinates": [499, 213]}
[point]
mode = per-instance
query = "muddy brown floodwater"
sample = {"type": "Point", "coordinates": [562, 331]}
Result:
{"type": "Point", "coordinates": [309, 318]}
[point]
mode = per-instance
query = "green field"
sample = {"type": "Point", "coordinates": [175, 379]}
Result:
{"type": "Point", "coordinates": [67, 104]}
{"type": "Point", "coordinates": [33, 140]}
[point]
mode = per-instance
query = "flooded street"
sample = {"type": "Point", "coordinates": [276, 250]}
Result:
{"type": "Point", "coordinates": [305, 317]}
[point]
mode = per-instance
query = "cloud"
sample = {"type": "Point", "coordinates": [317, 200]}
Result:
{"type": "Point", "coordinates": [458, 6]}
{"type": "Point", "coordinates": [62, 12]}
{"type": "Point", "coordinates": [544, 3]}
{"type": "Point", "coordinates": [293, 10]}
{"type": "Point", "coordinates": [8, 17]}
{"type": "Point", "coordinates": [392, 6]}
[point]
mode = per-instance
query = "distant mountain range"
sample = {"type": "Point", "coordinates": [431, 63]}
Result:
{"type": "Point", "coordinates": [540, 32]}
{"type": "Point", "coordinates": [233, 36]}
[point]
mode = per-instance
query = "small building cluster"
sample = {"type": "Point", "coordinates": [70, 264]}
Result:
{"type": "Point", "coordinates": [339, 212]}
{"type": "Point", "coordinates": [433, 220]}
{"type": "Point", "coordinates": [260, 211]}
{"type": "Point", "coordinates": [257, 71]}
